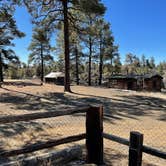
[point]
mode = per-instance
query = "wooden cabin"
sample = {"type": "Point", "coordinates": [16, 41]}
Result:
{"type": "Point", "coordinates": [122, 82]}
{"type": "Point", "coordinates": [147, 82]}
{"type": "Point", "coordinates": [55, 77]}
{"type": "Point", "coordinates": [152, 82]}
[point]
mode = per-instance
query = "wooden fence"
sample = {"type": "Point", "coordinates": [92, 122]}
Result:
{"type": "Point", "coordinates": [136, 147]}
{"type": "Point", "coordinates": [94, 136]}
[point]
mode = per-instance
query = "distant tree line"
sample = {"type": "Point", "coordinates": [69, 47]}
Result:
{"type": "Point", "coordinates": [132, 65]}
{"type": "Point", "coordinates": [135, 65]}
{"type": "Point", "coordinates": [84, 48]}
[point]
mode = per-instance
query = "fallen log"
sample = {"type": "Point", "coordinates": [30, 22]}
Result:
{"type": "Point", "coordinates": [49, 159]}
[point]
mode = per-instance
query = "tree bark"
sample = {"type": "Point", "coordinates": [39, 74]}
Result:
{"type": "Point", "coordinates": [90, 54]}
{"type": "Point", "coordinates": [66, 44]}
{"type": "Point", "coordinates": [111, 63]}
{"type": "Point", "coordinates": [90, 59]}
{"type": "Point", "coordinates": [77, 69]}
{"type": "Point", "coordinates": [1, 70]}
{"type": "Point", "coordinates": [101, 63]}
{"type": "Point", "coordinates": [42, 65]}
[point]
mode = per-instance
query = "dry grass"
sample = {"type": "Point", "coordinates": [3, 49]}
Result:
{"type": "Point", "coordinates": [126, 110]}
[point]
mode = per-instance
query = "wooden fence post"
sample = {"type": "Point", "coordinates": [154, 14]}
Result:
{"type": "Point", "coordinates": [94, 135]}
{"type": "Point", "coordinates": [135, 148]}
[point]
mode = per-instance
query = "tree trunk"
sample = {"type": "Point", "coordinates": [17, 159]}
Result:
{"type": "Point", "coordinates": [77, 69]}
{"type": "Point", "coordinates": [90, 59]}
{"type": "Point", "coordinates": [1, 71]}
{"type": "Point", "coordinates": [90, 54]}
{"type": "Point", "coordinates": [101, 63]}
{"type": "Point", "coordinates": [42, 65]}
{"type": "Point", "coordinates": [66, 44]}
{"type": "Point", "coordinates": [111, 63]}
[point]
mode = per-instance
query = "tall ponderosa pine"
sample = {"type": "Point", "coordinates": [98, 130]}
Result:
{"type": "Point", "coordinates": [59, 50]}
{"type": "Point", "coordinates": [40, 49]}
{"type": "Point", "coordinates": [89, 38]}
{"type": "Point", "coordinates": [107, 50]}
{"type": "Point", "coordinates": [75, 52]}
{"type": "Point", "coordinates": [8, 32]}
{"type": "Point", "coordinates": [55, 10]}
{"type": "Point", "coordinates": [76, 48]}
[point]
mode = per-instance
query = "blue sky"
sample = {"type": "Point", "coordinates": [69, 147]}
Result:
{"type": "Point", "coordinates": [139, 27]}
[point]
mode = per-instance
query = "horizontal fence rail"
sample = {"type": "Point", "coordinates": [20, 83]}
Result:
{"type": "Point", "coordinates": [42, 115]}
{"type": "Point", "coordinates": [42, 145]}
{"type": "Point", "coordinates": [154, 152]}
{"type": "Point", "coordinates": [145, 149]}
{"type": "Point", "coordinates": [116, 139]}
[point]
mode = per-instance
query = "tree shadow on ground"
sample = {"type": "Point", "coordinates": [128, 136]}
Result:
{"type": "Point", "coordinates": [126, 106]}
{"type": "Point", "coordinates": [132, 106]}
{"type": "Point", "coordinates": [11, 129]}
{"type": "Point", "coordinates": [111, 157]}
{"type": "Point", "coordinates": [115, 109]}
{"type": "Point", "coordinates": [14, 129]}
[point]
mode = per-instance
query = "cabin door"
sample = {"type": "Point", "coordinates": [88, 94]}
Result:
{"type": "Point", "coordinates": [154, 85]}
{"type": "Point", "coordinates": [130, 85]}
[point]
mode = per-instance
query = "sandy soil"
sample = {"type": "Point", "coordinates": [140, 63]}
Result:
{"type": "Point", "coordinates": [125, 111]}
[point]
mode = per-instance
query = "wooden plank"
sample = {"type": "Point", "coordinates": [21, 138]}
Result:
{"type": "Point", "coordinates": [42, 145]}
{"type": "Point", "coordinates": [154, 152]}
{"type": "Point", "coordinates": [41, 115]}
{"type": "Point", "coordinates": [116, 139]}
{"type": "Point", "coordinates": [94, 135]}
{"type": "Point", "coordinates": [60, 157]}
{"type": "Point", "coordinates": [135, 149]}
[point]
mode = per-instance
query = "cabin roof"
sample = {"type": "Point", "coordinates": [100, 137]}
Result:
{"type": "Point", "coordinates": [134, 76]}
{"type": "Point", "coordinates": [54, 75]}
{"type": "Point", "coordinates": [123, 77]}
{"type": "Point", "coordinates": [152, 75]}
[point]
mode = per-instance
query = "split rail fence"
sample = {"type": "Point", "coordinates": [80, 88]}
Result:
{"type": "Point", "coordinates": [94, 137]}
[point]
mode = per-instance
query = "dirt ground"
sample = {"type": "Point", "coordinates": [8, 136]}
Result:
{"type": "Point", "coordinates": [124, 111]}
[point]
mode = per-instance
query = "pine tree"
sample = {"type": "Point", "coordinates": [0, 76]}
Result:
{"type": "Point", "coordinates": [152, 63]}
{"type": "Point", "coordinates": [161, 68]}
{"type": "Point", "coordinates": [136, 65]}
{"type": "Point", "coordinates": [8, 32]}
{"type": "Point", "coordinates": [90, 39]}
{"type": "Point", "coordinates": [58, 10]}
{"type": "Point", "coordinates": [108, 50]}
{"type": "Point", "coordinates": [40, 48]}
{"type": "Point", "coordinates": [117, 65]}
